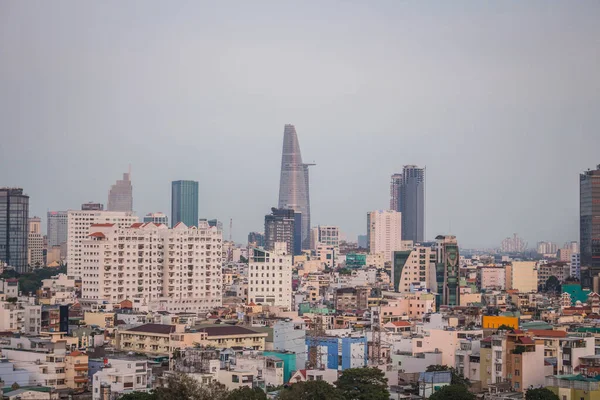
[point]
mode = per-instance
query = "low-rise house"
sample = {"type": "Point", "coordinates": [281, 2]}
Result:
{"type": "Point", "coordinates": [157, 338]}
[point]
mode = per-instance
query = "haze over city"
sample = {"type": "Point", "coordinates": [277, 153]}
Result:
{"type": "Point", "coordinates": [499, 101]}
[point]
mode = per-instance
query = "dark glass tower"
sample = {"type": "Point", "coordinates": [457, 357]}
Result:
{"type": "Point", "coordinates": [184, 203]}
{"type": "Point", "coordinates": [293, 184]}
{"type": "Point", "coordinates": [408, 195]}
{"type": "Point", "coordinates": [279, 227]}
{"type": "Point", "coordinates": [589, 224]}
{"type": "Point", "coordinates": [14, 227]}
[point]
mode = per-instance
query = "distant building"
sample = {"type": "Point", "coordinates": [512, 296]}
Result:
{"type": "Point", "coordinates": [589, 223]}
{"type": "Point", "coordinates": [91, 206]}
{"type": "Point", "coordinates": [408, 197]}
{"type": "Point", "coordinates": [547, 248]}
{"type": "Point", "coordinates": [384, 232]}
{"type": "Point", "coordinates": [575, 265]}
{"type": "Point", "coordinates": [447, 270]}
{"type": "Point", "coordinates": [270, 277]}
{"type": "Point", "coordinates": [157, 218]}
{"type": "Point", "coordinates": [184, 203]}
{"type": "Point", "coordinates": [57, 228]}
{"type": "Point", "coordinates": [363, 241]}
{"type": "Point", "coordinates": [256, 239]}
{"type": "Point", "coordinates": [325, 235]}
{"type": "Point", "coordinates": [35, 247]}
{"type": "Point", "coordinates": [522, 276]}
{"type": "Point", "coordinates": [120, 196]}
{"type": "Point", "coordinates": [279, 227]}
{"type": "Point", "coordinates": [513, 244]}
{"type": "Point", "coordinates": [14, 228]}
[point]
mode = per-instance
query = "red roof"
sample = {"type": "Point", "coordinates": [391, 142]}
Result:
{"type": "Point", "coordinates": [75, 353]}
{"type": "Point", "coordinates": [107, 225]}
{"type": "Point", "coordinates": [526, 340]}
{"type": "Point", "coordinates": [251, 304]}
{"type": "Point", "coordinates": [137, 225]}
{"type": "Point", "coordinates": [401, 323]}
{"type": "Point", "coordinates": [97, 234]}
{"type": "Point", "coordinates": [548, 333]}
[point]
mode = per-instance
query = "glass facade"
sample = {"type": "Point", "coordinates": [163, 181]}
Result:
{"type": "Point", "coordinates": [279, 227]}
{"type": "Point", "coordinates": [589, 224]}
{"type": "Point", "coordinates": [14, 227]}
{"type": "Point", "coordinates": [447, 271]}
{"type": "Point", "coordinates": [184, 203]}
{"type": "Point", "coordinates": [408, 197]}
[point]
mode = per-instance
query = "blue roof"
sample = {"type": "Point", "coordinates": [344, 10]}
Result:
{"type": "Point", "coordinates": [435, 377]}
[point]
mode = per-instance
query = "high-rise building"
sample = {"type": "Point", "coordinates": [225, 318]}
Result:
{"type": "Point", "coordinates": [14, 228]}
{"type": "Point", "coordinates": [547, 248]}
{"type": "Point", "coordinates": [35, 243]}
{"type": "Point", "coordinates": [414, 269]}
{"type": "Point", "coordinates": [447, 270]}
{"type": "Point", "coordinates": [384, 232]}
{"type": "Point", "coordinates": [79, 223]}
{"type": "Point", "coordinates": [57, 228]}
{"type": "Point", "coordinates": [522, 276]}
{"type": "Point", "coordinates": [120, 196]}
{"type": "Point", "coordinates": [362, 241]}
{"type": "Point", "coordinates": [184, 203]}
{"type": "Point", "coordinates": [293, 183]}
{"type": "Point", "coordinates": [589, 224]}
{"type": "Point", "coordinates": [575, 265]}
{"type": "Point", "coordinates": [408, 197]}
{"type": "Point", "coordinates": [91, 206]}
{"type": "Point", "coordinates": [270, 276]}
{"type": "Point", "coordinates": [157, 218]}
{"type": "Point", "coordinates": [256, 239]}
{"type": "Point", "coordinates": [186, 274]}
{"type": "Point", "coordinates": [325, 235]}
{"type": "Point", "coordinates": [279, 227]}
{"type": "Point", "coordinates": [513, 244]}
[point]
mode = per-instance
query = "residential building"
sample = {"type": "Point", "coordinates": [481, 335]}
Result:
{"type": "Point", "coordinates": [156, 339]}
{"type": "Point", "coordinates": [280, 228]}
{"type": "Point", "coordinates": [414, 268]}
{"type": "Point", "coordinates": [447, 270]}
{"type": "Point", "coordinates": [408, 197]}
{"type": "Point", "coordinates": [558, 269]}
{"type": "Point", "coordinates": [151, 262]}
{"type": "Point", "coordinates": [564, 254]}
{"type": "Point", "coordinates": [79, 223]}
{"type": "Point", "coordinates": [523, 276]}
{"type": "Point", "coordinates": [120, 196]}
{"type": "Point", "coordinates": [76, 371]}
{"type": "Point", "coordinates": [14, 228]}
{"type": "Point", "coordinates": [270, 277]}
{"type": "Point", "coordinates": [491, 277]}
{"type": "Point", "coordinates": [339, 353]}
{"type": "Point", "coordinates": [513, 244]}
{"type": "Point", "coordinates": [362, 241]}
{"type": "Point", "coordinates": [293, 183]}
{"type": "Point", "coordinates": [57, 228]}
{"type": "Point", "coordinates": [225, 336]}
{"type": "Point", "coordinates": [589, 223]}
{"type": "Point", "coordinates": [184, 203]}
{"type": "Point", "coordinates": [524, 361]}
{"type": "Point", "coordinates": [290, 335]}
{"type": "Point", "coordinates": [59, 289]}
{"type": "Point", "coordinates": [575, 265]}
{"type": "Point", "coordinates": [92, 206]}
{"type": "Point", "coordinates": [325, 235]}
{"type": "Point", "coordinates": [118, 377]}
{"type": "Point", "coordinates": [352, 298]}
{"type": "Point", "coordinates": [384, 231]}
{"type": "Point", "coordinates": [35, 243]}
{"type": "Point", "coordinates": [547, 248]}
{"type": "Point", "coordinates": [157, 218]}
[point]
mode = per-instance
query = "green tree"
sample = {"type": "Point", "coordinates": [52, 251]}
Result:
{"type": "Point", "coordinates": [457, 379]}
{"type": "Point", "coordinates": [363, 384]}
{"type": "Point", "coordinates": [540, 394]}
{"type": "Point", "coordinates": [138, 396]}
{"type": "Point", "coordinates": [505, 327]}
{"type": "Point", "coordinates": [552, 284]}
{"type": "Point", "coordinates": [311, 390]}
{"type": "Point", "coordinates": [453, 392]}
{"type": "Point", "coordinates": [245, 393]}
{"type": "Point", "coordinates": [181, 386]}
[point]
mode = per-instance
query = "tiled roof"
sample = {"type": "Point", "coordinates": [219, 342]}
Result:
{"type": "Point", "coordinates": [107, 225]}
{"type": "Point", "coordinates": [97, 234]}
{"type": "Point", "coordinates": [401, 323]}
{"type": "Point", "coordinates": [154, 328]}
{"type": "Point", "coordinates": [548, 333]}
{"type": "Point", "coordinates": [228, 330]}
{"type": "Point", "coordinates": [137, 225]}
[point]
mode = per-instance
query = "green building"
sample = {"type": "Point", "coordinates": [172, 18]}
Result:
{"type": "Point", "coordinates": [289, 362]}
{"type": "Point", "coordinates": [447, 271]}
{"type": "Point", "coordinates": [398, 262]}
{"type": "Point", "coordinates": [356, 260]}
{"type": "Point", "coordinates": [576, 292]}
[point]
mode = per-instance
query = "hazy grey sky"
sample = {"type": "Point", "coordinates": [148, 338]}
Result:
{"type": "Point", "coordinates": [500, 100]}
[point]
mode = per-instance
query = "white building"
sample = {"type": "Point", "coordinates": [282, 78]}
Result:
{"type": "Point", "coordinates": [384, 232]}
{"type": "Point", "coordinates": [35, 243]}
{"type": "Point", "coordinates": [59, 289]}
{"type": "Point", "coordinates": [57, 228]}
{"type": "Point", "coordinates": [325, 235]}
{"type": "Point", "coordinates": [492, 277]}
{"type": "Point", "coordinates": [157, 218]}
{"type": "Point", "coordinates": [123, 376]}
{"type": "Point", "coordinates": [575, 266]}
{"type": "Point", "coordinates": [152, 262]}
{"type": "Point", "coordinates": [79, 223]}
{"type": "Point", "coordinates": [418, 270]}
{"type": "Point", "coordinates": [270, 276]}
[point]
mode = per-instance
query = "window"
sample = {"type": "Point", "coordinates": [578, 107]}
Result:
{"type": "Point", "coordinates": [419, 343]}
{"type": "Point", "coordinates": [235, 378]}
{"type": "Point", "coordinates": [517, 372]}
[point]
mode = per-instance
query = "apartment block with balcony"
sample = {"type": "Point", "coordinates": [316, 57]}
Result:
{"type": "Point", "coordinates": [524, 361]}
{"type": "Point", "coordinates": [230, 336]}
{"type": "Point", "coordinates": [123, 376]}
{"type": "Point", "coordinates": [156, 339]}
{"type": "Point", "coordinates": [76, 371]}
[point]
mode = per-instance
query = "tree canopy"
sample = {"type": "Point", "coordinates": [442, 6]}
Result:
{"type": "Point", "coordinates": [453, 392]}
{"type": "Point", "coordinates": [30, 282]}
{"type": "Point", "coordinates": [552, 284]}
{"type": "Point", "coordinates": [457, 379]}
{"type": "Point", "coordinates": [363, 384]}
{"type": "Point", "coordinates": [181, 386]}
{"type": "Point", "coordinates": [138, 396]}
{"type": "Point", "coordinates": [311, 390]}
{"type": "Point", "coordinates": [245, 393]}
{"type": "Point", "coordinates": [540, 394]}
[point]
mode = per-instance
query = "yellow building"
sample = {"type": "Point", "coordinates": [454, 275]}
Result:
{"type": "Point", "coordinates": [76, 370]}
{"type": "Point", "coordinates": [225, 336]}
{"type": "Point", "coordinates": [494, 322]}
{"type": "Point", "coordinates": [157, 338]}
{"type": "Point", "coordinates": [105, 320]}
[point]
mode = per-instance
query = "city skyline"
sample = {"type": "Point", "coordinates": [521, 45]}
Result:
{"type": "Point", "coordinates": [487, 112]}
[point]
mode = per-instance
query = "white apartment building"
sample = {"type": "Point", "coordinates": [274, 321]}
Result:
{"type": "Point", "coordinates": [575, 265]}
{"type": "Point", "coordinates": [270, 277]}
{"type": "Point", "coordinates": [384, 232]}
{"type": "Point", "coordinates": [123, 376]}
{"type": "Point", "coordinates": [35, 243]}
{"type": "Point", "coordinates": [491, 277]}
{"type": "Point", "coordinates": [57, 228]}
{"type": "Point", "coordinates": [152, 262]}
{"type": "Point", "coordinates": [325, 235]}
{"type": "Point", "coordinates": [20, 317]}
{"type": "Point", "coordinates": [79, 223]}
{"type": "Point", "coordinates": [418, 270]}
{"type": "Point", "coordinates": [59, 289]}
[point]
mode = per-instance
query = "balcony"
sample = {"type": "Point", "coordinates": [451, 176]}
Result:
{"type": "Point", "coordinates": [81, 367]}
{"type": "Point", "coordinates": [81, 379]}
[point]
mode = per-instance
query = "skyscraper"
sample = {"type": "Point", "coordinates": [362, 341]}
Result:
{"type": "Point", "coordinates": [14, 227]}
{"type": "Point", "coordinates": [35, 243]}
{"type": "Point", "coordinates": [384, 232]}
{"type": "Point", "coordinates": [279, 227]}
{"type": "Point", "coordinates": [408, 197]}
{"type": "Point", "coordinates": [447, 270]}
{"type": "Point", "coordinates": [120, 196]}
{"type": "Point", "coordinates": [589, 224]}
{"type": "Point", "coordinates": [293, 184]}
{"type": "Point", "coordinates": [57, 228]}
{"type": "Point", "coordinates": [184, 203]}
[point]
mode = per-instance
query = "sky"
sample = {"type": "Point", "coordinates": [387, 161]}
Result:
{"type": "Point", "coordinates": [499, 100]}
